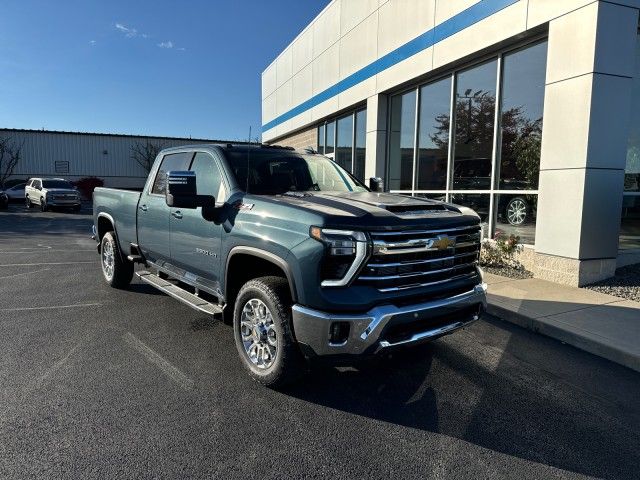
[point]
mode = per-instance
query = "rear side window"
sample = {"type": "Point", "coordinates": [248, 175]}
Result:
{"type": "Point", "coordinates": [208, 178]}
{"type": "Point", "coordinates": [173, 161]}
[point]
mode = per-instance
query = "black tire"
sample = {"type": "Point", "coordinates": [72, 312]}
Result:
{"type": "Point", "coordinates": [76, 209]}
{"type": "Point", "coordinates": [43, 205]}
{"type": "Point", "coordinates": [28, 202]}
{"type": "Point", "coordinates": [517, 211]}
{"type": "Point", "coordinates": [289, 364]}
{"type": "Point", "coordinates": [121, 271]}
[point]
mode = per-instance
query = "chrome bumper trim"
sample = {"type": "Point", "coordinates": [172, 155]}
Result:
{"type": "Point", "coordinates": [312, 327]}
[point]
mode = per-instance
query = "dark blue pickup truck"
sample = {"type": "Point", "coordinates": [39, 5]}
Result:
{"type": "Point", "coordinates": [300, 257]}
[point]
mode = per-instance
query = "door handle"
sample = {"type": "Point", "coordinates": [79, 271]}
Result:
{"type": "Point", "coordinates": [177, 214]}
{"type": "Point", "coordinates": [143, 208]}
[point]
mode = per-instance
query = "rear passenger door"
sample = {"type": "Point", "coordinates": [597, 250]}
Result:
{"type": "Point", "coordinates": [153, 213]}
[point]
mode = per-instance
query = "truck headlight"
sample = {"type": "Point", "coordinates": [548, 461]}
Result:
{"type": "Point", "coordinates": [345, 252]}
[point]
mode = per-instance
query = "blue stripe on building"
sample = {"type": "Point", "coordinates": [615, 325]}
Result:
{"type": "Point", "coordinates": [455, 24]}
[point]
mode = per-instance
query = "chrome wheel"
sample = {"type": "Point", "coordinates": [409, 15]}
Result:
{"type": "Point", "coordinates": [516, 211]}
{"type": "Point", "coordinates": [107, 260]}
{"type": "Point", "coordinates": [258, 334]}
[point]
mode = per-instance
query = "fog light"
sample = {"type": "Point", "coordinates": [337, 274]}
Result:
{"type": "Point", "coordinates": [338, 333]}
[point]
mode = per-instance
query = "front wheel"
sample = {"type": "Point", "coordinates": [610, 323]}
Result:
{"type": "Point", "coordinates": [262, 332]}
{"type": "Point", "coordinates": [43, 205]}
{"type": "Point", "coordinates": [28, 203]}
{"type": "Point", "coordinates": [116, 269]}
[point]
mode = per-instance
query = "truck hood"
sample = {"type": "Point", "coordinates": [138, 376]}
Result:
{"type": "Point", "coordinates": [378, 210]}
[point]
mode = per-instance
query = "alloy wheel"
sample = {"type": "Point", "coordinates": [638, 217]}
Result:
{"type": "Point", "coordinates": [258, 333]}
{"type": "Point", "coordinates": [516, 211]}
{"type": "Point", "coordinates": [107, 260]}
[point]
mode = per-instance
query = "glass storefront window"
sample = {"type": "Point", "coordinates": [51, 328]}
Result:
{"type": "Point", "coordinates": [632, 170]}
{"type": "Point", "coordinates": [630, 223]}
{"type": "Point", "coordinates": [523, 82]}
{"type": "Point", "coordinates": [361, 142]}
{"type": "Point", "coordinates": [433, 135]}
{"type": "Point", "coordinates": [480, 203]}
{"type": "Point", "coordinates": [474, 124]}
{"type": "Point", "coordinates": [330, 138]}
{"type": "Point", "coordinates": [401, 141]}
{"type": "Point", "coordinates": [344, 143]}
{"type": "Point", "coordinates": [321, 138]}
{"type": "Point", "coordinates": [516, 215]}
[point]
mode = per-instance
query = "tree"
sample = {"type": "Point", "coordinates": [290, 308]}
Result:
{"type": "Point", "coordinates": [10, 156]}
{"type": "Point", "coordinates": [520, 137]}
{"type": "Point", "coordinates": [145, 153]}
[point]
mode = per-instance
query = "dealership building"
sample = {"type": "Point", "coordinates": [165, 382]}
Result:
{"type": "Point", "coordinates": [527, 111]}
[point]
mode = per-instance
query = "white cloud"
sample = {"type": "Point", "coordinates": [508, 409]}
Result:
{"type": "Point", "coordinates": [128, 32]}
{"type": "Point", "coordinates": [92, 42]}
{"type": "Point", "coordinates": [168, 44]}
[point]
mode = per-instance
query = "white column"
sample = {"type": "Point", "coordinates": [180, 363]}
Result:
{"type": "Point", "coordinates": [586, 118]}
{"type": "Point", "coordinates": [376, 137]}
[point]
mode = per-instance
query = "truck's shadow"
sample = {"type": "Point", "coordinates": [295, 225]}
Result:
{"type": "Point", "coordinates": [506, 409]}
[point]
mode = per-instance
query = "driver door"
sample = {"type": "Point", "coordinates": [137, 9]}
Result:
{"type": "Point", "coordinates": [196, 242]}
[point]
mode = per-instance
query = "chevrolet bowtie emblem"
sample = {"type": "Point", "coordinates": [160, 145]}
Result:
{"type": "Point", "coordinates": [442, 242]}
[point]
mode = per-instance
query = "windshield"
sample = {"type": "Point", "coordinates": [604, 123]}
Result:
{"type": "Point", "coordinates": [56, 184]}
{"type": "Point", "coordinates": [273, 173]}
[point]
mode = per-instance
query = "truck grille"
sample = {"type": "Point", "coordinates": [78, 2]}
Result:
{"type": "Point", "coordinates": [411, 259]}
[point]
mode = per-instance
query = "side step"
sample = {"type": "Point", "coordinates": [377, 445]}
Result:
{"type": "Point", "coordinates": [178, 293]}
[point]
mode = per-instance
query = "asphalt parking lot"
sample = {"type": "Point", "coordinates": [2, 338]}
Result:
{"type": "Point", "coordinates": [101, 383]}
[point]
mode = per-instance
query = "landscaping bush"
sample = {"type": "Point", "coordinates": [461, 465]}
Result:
{"type": "Point", "coordinates": [86, 186]}
{"type": "Point", "coordinates": [501, 252]}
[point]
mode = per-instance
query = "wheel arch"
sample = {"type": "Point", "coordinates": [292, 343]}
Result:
{"type": "Point", "coordinates": [262, 263]}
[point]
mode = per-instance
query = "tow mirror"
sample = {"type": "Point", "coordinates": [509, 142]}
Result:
{"type": "Point", "coordinates": [376, 184]}
{"type": "Point", "coordinates": [182, 192]}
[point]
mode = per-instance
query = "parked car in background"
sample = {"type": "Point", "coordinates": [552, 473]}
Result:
{"type": "Point", "coordinates": [16, 193]}
{"type": "Point", "coordinates": [52, 192]}
{"type": "Point", "coordinates": [4, 200]}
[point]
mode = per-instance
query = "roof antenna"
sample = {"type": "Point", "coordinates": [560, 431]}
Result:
{"type": "Point", "coordinates": [248, 156]}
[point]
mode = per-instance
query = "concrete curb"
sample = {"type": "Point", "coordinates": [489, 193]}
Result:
{"type": "Point", "coordinates": [589, 342]}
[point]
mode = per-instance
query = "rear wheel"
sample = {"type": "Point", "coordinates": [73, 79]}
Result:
{"type": "Point", "coordinates": [116, 269]}
{"type": "Point", "coordinates": [262, 332]}
{"type": "Point", "coordinates": [43, 205]}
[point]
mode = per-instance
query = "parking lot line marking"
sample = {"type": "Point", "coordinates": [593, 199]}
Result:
{"type": "Point", "coordinates": [166, 367]}
{"type": "Point", "coordinates": [38, 264]}
{"type": "Point", "coordinates": [25, 273]}
{"type": "Point", "coordinates": [55, 367]}
{"type": "Point", "coordinates": [78, 305]}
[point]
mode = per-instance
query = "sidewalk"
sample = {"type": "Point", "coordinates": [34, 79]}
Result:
{"type": "Point", "coordinates": [601, 324]}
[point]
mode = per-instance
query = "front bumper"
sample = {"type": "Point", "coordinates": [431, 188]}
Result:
{"type": "Point", "coordinates": [64, 203]}
{"type": "Point", "coordinates": [371, 332]}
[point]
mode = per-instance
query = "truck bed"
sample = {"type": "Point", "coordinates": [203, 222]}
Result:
{"type": "Point", "coordinates": [120, 206]}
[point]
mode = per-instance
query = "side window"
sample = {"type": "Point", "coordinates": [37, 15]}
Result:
{"type": "Point", "coordinates": [173, 161]}
{"type": "Point", "coordinates": [208, 178]}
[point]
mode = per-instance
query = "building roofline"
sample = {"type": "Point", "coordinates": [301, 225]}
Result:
{"type": "Point", "coordinates": [126, 135]}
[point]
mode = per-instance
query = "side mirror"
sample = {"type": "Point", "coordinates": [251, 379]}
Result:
{"type": "Point", "coordinates": [376, 184]}
{"type": "Point", "coordinates": [181, 191]}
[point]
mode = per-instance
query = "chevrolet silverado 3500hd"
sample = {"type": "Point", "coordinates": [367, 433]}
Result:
{"type": "Point", "coordinates": [300, 257]}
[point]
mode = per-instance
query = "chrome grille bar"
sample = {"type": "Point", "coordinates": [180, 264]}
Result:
{"type": "Point", "coordinates": [415, 245]}
{"type": "Point", "coordinates": [424, 232]}
{"type": "Point", "coordinates": [420, 262]}
{"type": "Point", "coordinates": [417, 274]}
{"type": "Point", "coordinates": [427, 284]}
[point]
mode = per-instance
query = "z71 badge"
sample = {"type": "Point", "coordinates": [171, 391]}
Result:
{"type": "Point", "coordinates": [208, 253]}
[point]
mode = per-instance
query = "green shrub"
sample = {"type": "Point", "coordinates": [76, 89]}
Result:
{"type": "Point", "coordinates": [501, 252]}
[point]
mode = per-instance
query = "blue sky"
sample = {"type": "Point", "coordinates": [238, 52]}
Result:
{"type": "Point", "coordinates": [167, 68]}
